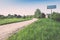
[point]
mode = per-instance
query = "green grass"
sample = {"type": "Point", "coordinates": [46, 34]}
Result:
{"type": "Point", "coordinates": [12, 20]}
{"type": "Point", "coordinates": [43, 29]}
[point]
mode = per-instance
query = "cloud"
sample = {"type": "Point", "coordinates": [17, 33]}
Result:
{"type": "Point", "coordinates": [26, 6]}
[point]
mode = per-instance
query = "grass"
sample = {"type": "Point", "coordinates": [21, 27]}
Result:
{"type": "Point", "coordinates": [43, 29]}
{"type": "Point", "coordinates": [12, 20]}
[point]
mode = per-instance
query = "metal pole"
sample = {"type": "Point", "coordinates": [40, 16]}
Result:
{"type": "Point", "coordinates": [51, 17]}
{"type": "Point", "coordinates": [51, 13]}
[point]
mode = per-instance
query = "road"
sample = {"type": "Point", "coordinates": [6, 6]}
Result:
{"type": "Point", "coordinates": [8, 29]}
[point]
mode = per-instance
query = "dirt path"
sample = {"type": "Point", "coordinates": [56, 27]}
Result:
{"type": "Point", "coordinates": [6, 30]}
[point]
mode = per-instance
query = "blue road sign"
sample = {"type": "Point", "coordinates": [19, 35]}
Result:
{"type": "Point", "coordinates": [51, 7]}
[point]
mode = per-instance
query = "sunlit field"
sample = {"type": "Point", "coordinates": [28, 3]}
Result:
{"type": "Point", "coordinates": [12, 20]}
{"type": "Point", "coordinates": [43, 29]}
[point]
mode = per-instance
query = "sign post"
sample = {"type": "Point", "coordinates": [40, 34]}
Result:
{"type": "Point", "coordinates": [51, 7]}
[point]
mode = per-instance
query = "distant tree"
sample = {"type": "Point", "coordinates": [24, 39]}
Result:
{"type": "Point", "coordinates": [10, 16]}
{"type": "Point", "coordinates": [2, 16]}
{"type": "Point", "coordinates": [49, 15]}
{"type": "Point", "coordinates": [37, 13]}
{"type": "Point", "coordinates": [15, 15]}
{"type": "Point", "coordinates": [55, 16]}
{"type": "Point", "coordinates": [31, 16]}
{"type": "Point", "coordinates": [19, 16]}
{"type": "Point", "coordinates": [24, 16]}
{"type": "Point", "coordinates": [42, 15]}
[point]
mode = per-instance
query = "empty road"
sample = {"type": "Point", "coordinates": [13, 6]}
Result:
{"type": "Point", "coordinates": [8, 29]}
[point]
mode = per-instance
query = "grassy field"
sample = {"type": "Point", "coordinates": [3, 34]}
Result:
{"type": "Point", "coordinates": [43, 29]}
{"type": "Point", "coordinates": [12, 20]}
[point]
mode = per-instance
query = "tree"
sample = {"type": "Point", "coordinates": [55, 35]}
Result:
{"type": "Point", "coordinates": [24, 16]}
{"type": "Point", "coordinates": [2, 16]}
{"type": "Point", "coordinates": [55, 16]}
{"type": "Point", "coordinates": [19, 16]}
{"type": "Point", "coordinates": [15, 15]}
{"type": "Point", "coordinates": [42, 15]}
{"type": "Point", "coordinates": [37, 13]}
{"type": "Point", "coordinates": [10, 16]}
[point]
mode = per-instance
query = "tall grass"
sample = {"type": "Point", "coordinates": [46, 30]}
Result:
{"type": "Point", "coordinates": [43, 29]}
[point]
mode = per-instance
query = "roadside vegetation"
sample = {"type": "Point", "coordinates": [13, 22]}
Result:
{"type": "Point", "coordinates": [43, 29]}
{"type": "Point", "coordinates": [13, 18]}
{"type": "Point", "coordinates": [55, 16]}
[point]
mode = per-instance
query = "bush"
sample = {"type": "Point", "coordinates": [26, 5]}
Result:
{"type": "Point", "coordinates": [56, 16]}
{"type": "Point", "coordinates": [19, 16]}
{"type": "Point", "coordinates": [2, 16]}
{"type": "Point", "coordinates": [42, 15]}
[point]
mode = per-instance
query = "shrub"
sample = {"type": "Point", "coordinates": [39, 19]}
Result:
{"type": "Point", "coordinates": [56, 16]}
{"type": "Point", "coordinates": [2, 16]}
{"type": "Point", "coordinates": [42, 15]}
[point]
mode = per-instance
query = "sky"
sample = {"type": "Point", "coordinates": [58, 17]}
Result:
{"type": "Point", "coordinates": [27, 7]}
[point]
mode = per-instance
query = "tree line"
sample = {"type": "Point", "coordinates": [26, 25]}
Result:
{"type": "Point", "coordinates": [55, 15]}
{"type": "Point", "coordinates": [38, 14]}
{"type": "Point", "coordinates": [10, 16]}
{"type": "Point", "coordinates": [15, 16]}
